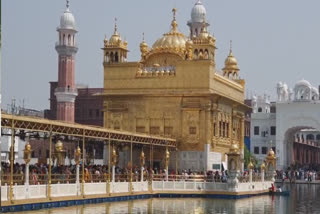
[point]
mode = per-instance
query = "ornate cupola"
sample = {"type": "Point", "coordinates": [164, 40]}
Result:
{"type": "Point", "coordinates": [115, 51]}
{"type": "Point", "coordinates": [231, 69]}
{"type": "Point", "coordinates": [143, 48]}
{"type": "Point", "coordinates": [204, 44]}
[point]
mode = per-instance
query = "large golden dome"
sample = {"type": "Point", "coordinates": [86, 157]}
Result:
{"type": "Point", "coordinates": [173, 41]}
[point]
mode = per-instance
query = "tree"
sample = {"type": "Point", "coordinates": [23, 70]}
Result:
{"type": "Point", "coordinates": [248, 156]}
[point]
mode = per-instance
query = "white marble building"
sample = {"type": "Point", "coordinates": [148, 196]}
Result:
{"type": "Point", "coordinates": [263, 126]}
{"type": "Point", "coordinates": [295, 109]}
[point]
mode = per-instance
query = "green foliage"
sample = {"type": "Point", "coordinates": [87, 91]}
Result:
{"type": "Point", "coordinates": [247, 157]}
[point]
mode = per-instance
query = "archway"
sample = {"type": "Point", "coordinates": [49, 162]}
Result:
{"type": "Point", "coordinates": [286, 137]}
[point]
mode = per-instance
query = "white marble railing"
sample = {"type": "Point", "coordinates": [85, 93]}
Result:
{"type": "Point", "coordinates": [21, 192]}
{"type": "Point", "coordinates": [188, 186]}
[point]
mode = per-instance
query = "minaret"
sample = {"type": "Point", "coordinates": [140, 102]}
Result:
{"type": "Point", "coordinates": [196, 23]}
{"type": "Point", "coordinates": [66, 91]}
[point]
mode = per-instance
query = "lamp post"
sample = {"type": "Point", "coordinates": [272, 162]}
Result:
{"type": "Point", "coordinates": [262, 167]}
{"type": "Point", "coordinates": [142, 162]}
{"type": "Point", "coordinates": [27, 157]}
{"type": "Point", "coordinates": [60, 153]}
{"type": "Point", "coordinates": [271, 164]}
{"type": "Point", "coordinates": [114, 161]}
{"type": "Point", "coordinates": [250, 167]}
{"type": "Point", "coordinates": [77, 159]}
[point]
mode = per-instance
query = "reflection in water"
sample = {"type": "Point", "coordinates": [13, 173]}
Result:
{"type": "Point", "coordinates": [303, 199]}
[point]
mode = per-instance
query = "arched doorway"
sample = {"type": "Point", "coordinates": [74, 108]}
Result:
{"type": "Point", "coordinates": [287, 137]}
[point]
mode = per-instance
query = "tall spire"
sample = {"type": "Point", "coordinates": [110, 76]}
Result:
{"type": "Point", "coordinates": [68, 4]}
{"type": "Point", "coordinates": [174, 23]}
{"type": "Point", "coordinates": [230, 51]}
{"type": "Point", "coordinates": [115, 26]}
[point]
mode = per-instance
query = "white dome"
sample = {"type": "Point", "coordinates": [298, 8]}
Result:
{"type": "Point", "coordinates": [67, 20]}
{"type": "Point", "coordinates": [198, 12]}
{"type": "Point", "coordinates": [315, 90]}
{"type": "Point", "coordinates": [279, 84]}
{"type": "Point", "coordinates": [303, 83]}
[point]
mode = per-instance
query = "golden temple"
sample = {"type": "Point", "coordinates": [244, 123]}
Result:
{"type": "Point", "coordinates": [176, 91]}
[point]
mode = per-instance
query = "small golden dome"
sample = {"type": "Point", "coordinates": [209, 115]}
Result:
{"type": "Point", "coordinates": [231, 62]}
{"type": "Point", "coordinates": [271, 153]}
{"type": "Point", "coordinates": [189, 43]}
{"type": "Point", "coordinates": [250, 165]}
{"type": "Point", "coordinates": [115, 39]}
{"type": "Point", "coordinates": [59, 146]}
{"type": "Point", "coordinates": [204, 35]}
{"type": "Point", "coordinates": [262, 167]}
{"type": "Point", "coordinates": [78, 151]}
{"type": "Point", "coordinates": [143, 44]}
{"type": "Point", "coordinates": [27, 147]}
{"type": "Point", "coordinates": [234, 148]}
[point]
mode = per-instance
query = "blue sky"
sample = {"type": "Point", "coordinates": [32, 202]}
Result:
{"type": "Point", "coordinates": [273, 40]}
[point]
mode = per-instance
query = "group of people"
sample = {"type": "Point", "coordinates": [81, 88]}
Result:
{"type": "Point", "coordinates": [98, 173]}
{"type": "Point", "coordinates": [303, 174]}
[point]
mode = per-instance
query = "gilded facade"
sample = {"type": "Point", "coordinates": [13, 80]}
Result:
{"type": "Point", "coordinates": [176, 91]}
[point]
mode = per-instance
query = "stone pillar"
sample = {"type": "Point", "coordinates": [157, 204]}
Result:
{"type": "Point", "coordinates": [26, 183]}
{"type": "Point", "coordinates": [250, 175]}
{"type": "Point", "coordinates": [113, 173]}
{"type": "Point", "coordinates": [27, 175]}
{"type": "Point", "coordinates": [78, 179]}
{"type": "Point", "coordinates": [262, 175]}
{"type": "Point", "coordinates": [208, 135]}
{"type": "Point", "coordinates": [242, 141]}
{"type": "Point", "coordinates": [105, 153]}
{"type": "Point", "coordinates": [167, 173]}
{"type": "Point", "coordinates": [141, 176]}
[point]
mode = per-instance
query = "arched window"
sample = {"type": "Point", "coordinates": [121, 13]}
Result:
{"type": "Point", "coordinates": [64, 39]}
{"type": "Point", "coordinates": [206, 54]}
{"type": "Point", "coordinates": [310, 137]}
{"type": "Point", "coordinates": [196, 53]}
{"type": "Point", "coordinates": [111, 57]}
{"type": "Point", "coordinates": [259, 109]}
{"type": "Point", "coordinates": [116, 57]}
{"type": "Point", "coordinates": [318, 137]}
{"type": "Point", "coordinates": [196, 30]}
{"type": "Point", "coordinates": [69, 39]}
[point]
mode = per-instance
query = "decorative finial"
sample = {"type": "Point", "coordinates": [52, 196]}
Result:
{"type": "Point", "coordinates": [143, 36]}
{"type": "Point", "coordinates": [68, 1]}
{"type": "Point", "coordinates": [174, 23]}
{"type": "Point", "coordinates": [174, 10]}
{"type": "Point", "coordinates": [204, 24]}
{"type": "Point", "coordinates": [115, 26]}
{"type": "Point", "coordinates": [230, 52]}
